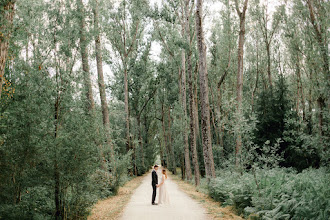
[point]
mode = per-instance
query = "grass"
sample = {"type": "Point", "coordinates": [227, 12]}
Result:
{"type": "Point", "coordinates": [214, 209]}
{"type": "Point", "coordinates": [112, 207]}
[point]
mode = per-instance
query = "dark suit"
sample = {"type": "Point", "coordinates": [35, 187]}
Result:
{"type": "Point", "coordinates": [154, 182]}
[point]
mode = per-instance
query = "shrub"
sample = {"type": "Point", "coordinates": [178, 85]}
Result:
{"type": "Point", "coordinates": [280, 193]}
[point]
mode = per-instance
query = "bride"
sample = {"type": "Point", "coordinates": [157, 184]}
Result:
{"type": "Point", "coordinates": [163, 195]}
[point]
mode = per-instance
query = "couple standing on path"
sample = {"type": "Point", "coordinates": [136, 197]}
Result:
{"type": "Point", "coordinates": [163, 197]}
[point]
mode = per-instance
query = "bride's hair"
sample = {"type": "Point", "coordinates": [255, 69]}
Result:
{"type": "Point", "coordinates": [164, 172]}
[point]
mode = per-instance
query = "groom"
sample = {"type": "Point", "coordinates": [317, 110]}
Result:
{"type": "Point", "coordinates": [154, 184]}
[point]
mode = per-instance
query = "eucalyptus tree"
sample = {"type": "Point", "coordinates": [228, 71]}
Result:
{"type": "Point", "coordinates": [204, 93]}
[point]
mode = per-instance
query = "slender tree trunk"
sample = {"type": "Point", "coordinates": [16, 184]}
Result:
{"type": "Point", "coordinates": [269, 65]}
{"type": "Point", "coordinates": [204, 93]}
{"type": "Point", "coordinates": [240, 76]}
{"type": "Point", "coordinates": [104, 103]}
{"type": "Point", "coordinates": [5, 29]}
{"type": "Point", "coordinates": [140, 140]}
{"type": "Point", "coordinates": [257, 78]}
{"type": "Point", "coordinates": [170, 142]}
{"type": "Point", "coordinates": [184, 106]}
{"type": "Point", "coordinates": [192, 135]}
{"type": "Point", "coordinates": [183, 173]}
{"type": "Point", "coordinates": [321, 105]}
{"type": "Point", "coordinates": [126, 108]}
{"type": "Point", "coordinates": [84, 57]}
{"type": "Point", "coordinates": [57, 189]}
{"type": "Point", "coordinates": [196, 112]}
{"type": "Point", "coordinates": [300, 89]}
{"type": "Point", "coordinates": [165, 138]}
{"type": "Point", "coordinates": [162, 160]}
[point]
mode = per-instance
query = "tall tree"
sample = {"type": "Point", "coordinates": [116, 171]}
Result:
{"type": "Point", "coordinates": [99, 64]}
{"type": "Point", "coordinates": [192, 134]}
{"type": "Point", "coordinates": [241, 15]}
{"type": "Point", "coordinates": [319, 26]}
{"type": "Point", "coordinates": [204, 94]}
{"type": "Point", "coordinates": [6, 21]}
{"type": "Point", "coordinates": [268, 34]}
{"type": "Point", "coordinates": [125, 28]}
{"type": "Point", "coordinates": [84, 58]}
{"type": "Point", "coordinates": [184, 95]}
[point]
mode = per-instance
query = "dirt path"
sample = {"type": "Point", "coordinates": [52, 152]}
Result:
{"type": "Point", "coordinates": [182, 207]}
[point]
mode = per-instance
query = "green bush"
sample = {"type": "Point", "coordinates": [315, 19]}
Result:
{"type": "Point", "coordinates": [280, 193]}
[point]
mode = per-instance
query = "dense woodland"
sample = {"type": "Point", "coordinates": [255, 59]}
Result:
{"type": "Point", "coordinates": [240, 103]}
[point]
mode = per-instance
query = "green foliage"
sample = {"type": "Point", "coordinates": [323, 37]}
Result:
{"type": "Point", "coordinates": [278, 194]}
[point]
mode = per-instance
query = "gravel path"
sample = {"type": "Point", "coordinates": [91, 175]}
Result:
{"type": "Point", "coordinates": [182, 207]}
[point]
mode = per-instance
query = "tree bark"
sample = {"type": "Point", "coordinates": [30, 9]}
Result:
{"type": "Point", "coordinates": [165, 138]}
{"type": "Point", "coordinates": [140, 140]}
{"type": "Point", "coordinates": [257, 77]}
{"type": "Point", "coordinates": [204, 94]}
{"type": "Point", "coordinates": [196, 104]}
{"type": "Point", "coordinates": [241, 16]}
{"type": "Point", "coordinates": [84, 60]}
{"type": "Point", "coordinates": [57, 189]}
{"type": "Point", "coordinates": [126, 109]}
{"type": "Point", "coordinates": [104, 103]}
{"type": "Point", "coordinates": [170, 142]}
{"type": "Point", "coordinates": [192, 135]}
{"type": "Point", "coordinates": [184, 107]}
{"type": "Point", "coordinates": [5, 30]}
{"type": "Point", "coordinates": [269, 72]}
{"type": "Point", "coordinates": [300, 89]}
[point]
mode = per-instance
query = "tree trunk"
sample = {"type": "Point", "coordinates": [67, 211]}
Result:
{"type": "Point", "coordinates": [257, 78]}
{"type": "Point", "coordinates": [321, 105]}
{"type": "Point", "coordinates": [57, 189]}
{"type": "Point", "coordinates": [196, 103]}
{"type": "Point", "coordinates": [300, 89]}
{"type": "Point", "coordinates": [184, 106]}
{"type": "Point", "coordinates": [170, 142]}
{"type": "Point", "coordinates": [126, 108]}
{"type": "Point", "coordinates": [192, 135]}
{"type": "Point", "coordinates": [165, 138]}
{"type": "Point", "coordinates": [269, 65]}
{"type": "Point", "coordinates": [5, 29]}
{"type": "Point", "coordinates": [204, 93]}
{"type": "Point", "coordinates": [104, 104]}
{"type": "Point", "coordinates": [240, 76]}
{"type": "Point", "coordinates": [84, 59]}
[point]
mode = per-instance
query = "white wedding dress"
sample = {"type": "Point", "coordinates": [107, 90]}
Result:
{"type": "Point", "coordinates": [163, 198]}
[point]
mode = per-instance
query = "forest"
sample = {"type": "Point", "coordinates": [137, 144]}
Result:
{"type": "Point", "coordinates": [232, 95]}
